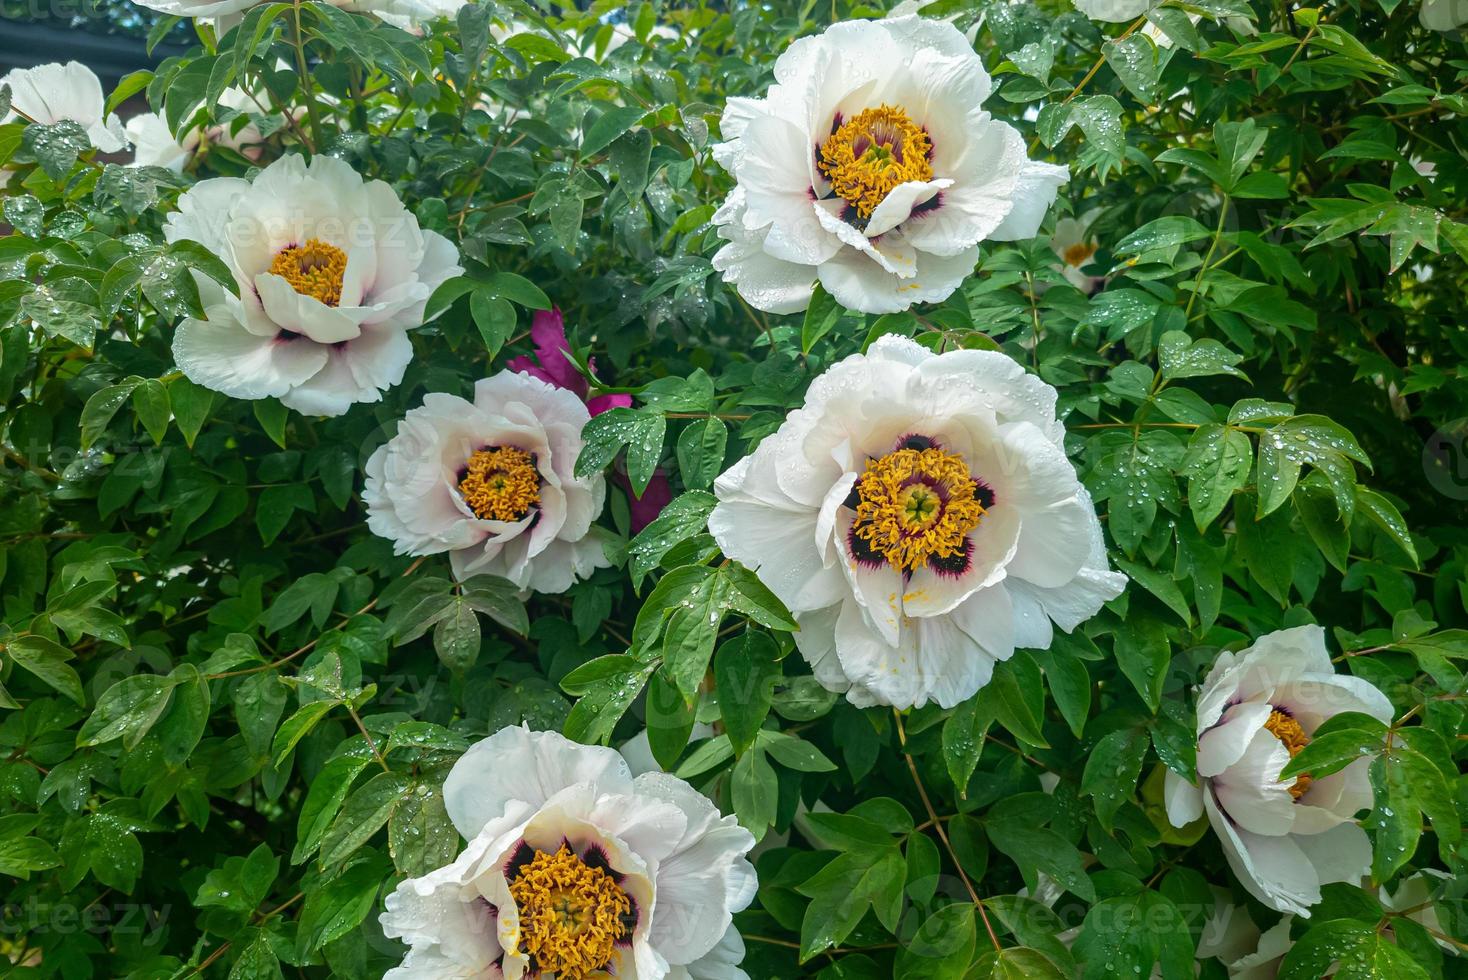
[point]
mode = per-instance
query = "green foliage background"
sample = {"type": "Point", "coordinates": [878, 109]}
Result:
{"type": "Point", "coordinates": [227, 709]}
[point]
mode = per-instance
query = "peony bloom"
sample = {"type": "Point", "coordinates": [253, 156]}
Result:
{"type": "Point", "coordinates": [1264, 962]}
{"type": "Point", "coordinates": [332, 272]}
{"type": "Point", "coordinates": [550, 364]}
{"type": "Point", "coordinates": [1443, 15]}
{"type": "Point", "coordinates": [1075, 246]}
{"type": "Point", "coordinates": [575, 869]}
{"type": "Point", "coordinates": [54, 93]}
{"type": "Point", "coordinates": [154, 144]}
{"type": "Point", "coordinates": [919, 517]}
{"type": "Point", "coordinates": [399, 13]}
{"type": "Point", "coordinates": [1115, 11]}
{"type": "Point", "coordinates": [1256, 710]}
{"type": "Point", "coordinates": [871, 167]}
{"type": "Point", "coordinates": [491, 482]}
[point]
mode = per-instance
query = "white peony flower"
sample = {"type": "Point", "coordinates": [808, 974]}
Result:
{"type": "Point", "coordinates": [49, 94]}
{"type": "Point", "coordinates": [870, 166]}
{"type": "Point", "coordinates": [1264, 962]}
{"type": "Point", "coordinates": [332, 272]}
{"type": "Point", "coordinates": [920, 518]}
{"type": "Point", "coordinates": [228, 13]}
{"type": "Point", "coordinates": [491, 482]}
{"type": "Point", "coordinates": [154, 144]}
{"type": "Point", "coordinates": [1075, 246]}
{"type": "Point", "coordinates": [1115, 11]}
{"type": "Point", "coordinates": [1443, 15]}
{"type": "Point", "coordinates": [574, 869]}
{"type": "Point", "coordinates": [1256, 710]}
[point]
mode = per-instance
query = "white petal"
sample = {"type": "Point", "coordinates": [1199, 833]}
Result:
{"type": "Point", "coordinates": [704, 879]}
{"type": "Point", "coordinates": [1033, 194]}
{"type": "Point", "coordinates": [764, 530]}
{"type": "Point", "coordinates": [1442, 15]}
{"type": "Point", "coordinates": [1272, 869]}
{"type": "Point", "coordinates": [858, 283]}
{"type": "Point", "coordinates": [1250, 791]}
{"type": "Point", "coordinates": [220, 354]}
{"type": "Point", "coordinates": [1223, 744]}
{"type": "Point", "coordinates": [1183, 799]}
{"type": "Point", "coordinates": [518, 764]}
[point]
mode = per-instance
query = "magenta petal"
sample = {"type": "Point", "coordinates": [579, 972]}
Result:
{"type": "Point", "coordinates": [605, 403]}
{"type": "Point", "coordinates": [525, 365]}
{"type": "Point", "coordinates": [644, 510]}
{"type": "Point", "coordinates": [548, 333]}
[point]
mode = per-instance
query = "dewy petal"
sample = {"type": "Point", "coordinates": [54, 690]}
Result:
{"type": "Point", "coordinates": [897, 206]}
{"type": "Point", "coordinates": [765, 282]}
{"type": "Point", "coordinates": [1272, 869]}
{"type": "Point", "coordinates": [704, 879]}
{"type": "Point", "coordinates": [1114, 11]}
{"type": "Point", "coordinates": [1033, 194]}
{"type": "Point", "coordinates": [858, 283]}
{"type": "Point", "coordinates": [531, 767]}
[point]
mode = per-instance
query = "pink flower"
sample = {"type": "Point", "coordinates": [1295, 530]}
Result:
{"type": "Point", "coordinates": [657, 495]}
{"type": "Point", "coordinates": [551, 365]}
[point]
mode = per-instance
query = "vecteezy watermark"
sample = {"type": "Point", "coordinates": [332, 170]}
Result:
{"type": "Point", "coordinates": [37, 919]}
{"type": "Point", "coordinates": [1445, 460]}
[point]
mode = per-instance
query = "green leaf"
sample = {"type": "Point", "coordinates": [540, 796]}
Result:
{"type": "Point", "coordinates": [680, 520]}
{"type": "Point", "coordinates": [47, 660]}
{"type": "Point", "coordinates": [1112, 768]}
{"type": "Point", "coordinates": [298, 725]}
{"type": "Point", "coordinates": [746, 668]}
{"type": "Point", "coordinates": [942, 948]}
{"type": "Point", "coordinates": [755, 792]}
{"type": "Point", "coordinates": [1042, 849]}
{"type": "Point", "coordinates": [612, 123]}
{"type": "Point", "coordinates": [1014, 963]}
{"type": "Point", "coordinates": [334, 908]}
{"type": "Point", "coordinates": [1130, 934]}
{"type": "Point", "coordinates": [127, 710]}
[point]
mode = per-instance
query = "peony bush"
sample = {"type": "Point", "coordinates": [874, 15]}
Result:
{"type": "Point", "coordinates": [714, 491]}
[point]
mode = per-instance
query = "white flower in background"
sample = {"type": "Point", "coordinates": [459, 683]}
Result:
{"type": "Point", "coordinates": [154, 144]}
{"type": "Point", "coordinates": [1075, 246]}
{"type": "Point", "coordinates": [49, 94]}
{"type": "Point", "coordinates": [920, 518]}
{"type": "Point", "coordinates": [1443, 15]}
{"type": "Point", "coordinates": [1257, 709]}
{"type": "Point", "coordinates": [1115, 11]}
{"type": "Point", "coordinates": [575, 869]}
{"type": "Point", "coordinates": [332, 272]}
{"type": "Point", "coordinates": [228, 13]}
{"type": "Point", "coordinates": [1264, 962]}
{"type": "Point", "coordinates": [492, 483]}
{"type": "Point", "coordinates": [1414, 898]}
{"type": "Point", "coordinates": [870, 166]}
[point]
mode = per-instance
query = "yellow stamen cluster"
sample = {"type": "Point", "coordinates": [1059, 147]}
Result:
{"type": "Point", "coordinates": [1293, 738]}
{"type": "Point", "coordinates": [915, 504]}
{"type": "Point", "coordinates": [571, 915]}
{"type": "Point", "coordinates": [873, 152]}
{"type": "Point", "coordinates": [501, 483]}
{"type": "Point", "coordinates": [1078, 254]}
{"type": "Point", "coordinates": [313, 269]}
